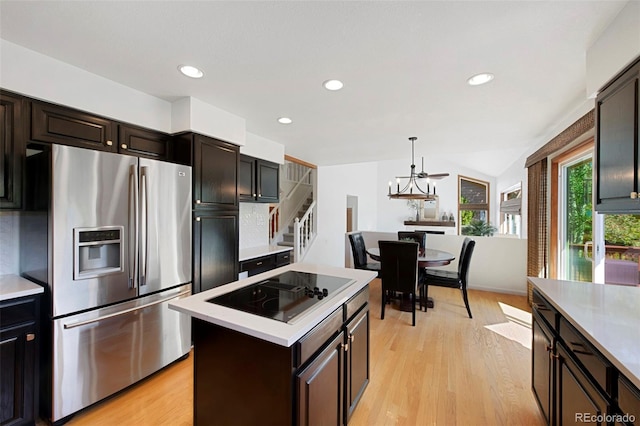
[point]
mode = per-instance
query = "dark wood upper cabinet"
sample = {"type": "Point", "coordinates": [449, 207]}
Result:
{"type": "Point", "coordinates": [247, 179]}
{"type": "Point", "coordinates": [142, 142]}
{"type": "Point", "coordinates": [258, 180]}
{"type": "Point", "coordinates": [617, 147]}
{"type": "Point", "coordinates": [12, 150]}
{"type": "Point", "coordinates": [215, 169]}
{"type": "Point", "coordinates": [268, 183]}
{"type": "Point", "coordinates": [66, 126]}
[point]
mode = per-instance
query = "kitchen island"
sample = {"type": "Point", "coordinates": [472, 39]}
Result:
{"type": "Point", "coordinates": [250, 369]}
{"type": "Point", "coordinates": [586, 350]}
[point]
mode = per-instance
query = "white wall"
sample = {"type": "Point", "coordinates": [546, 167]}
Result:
{"type": "Point", "coordinates": [42, 77]}
{"type": "Point", "coordinates": [334, 184]}
{"type": "Point", "coordinates": [392, 213]}
{"type": "Point", "coordinates": [616, 48]}
{"type": "Point", "coordinates": [266, 149]}
{"type": "Point", "coordinates": [497, 264]}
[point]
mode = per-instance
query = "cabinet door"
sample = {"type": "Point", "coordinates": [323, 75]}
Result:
{"type": "Point", "coordinates": [144, 142]}
{"type": "Point", "coordinates": [12, 150]}
{"type": "Point", "coordinates": [268, 182]}
{"type": "Point", "coordinates": [578, 401]}
{"type": "Point", "coordinates": [215, 250]}
{"type": "Point", "coordinates": [357, 370]}
{"type": "Point", "coordinates": [628, 401]}
{"type": "Point", "coordinates": [320, 386]}
{"type": "Point", "coordinates": [542, 367]}
{"type": "Point", "coordinates": [216, 173]}
{"type": "Point", "coordinates": [617, 155]}
{"type": "Point", "coordinates": [66, 126]}
{"type": "Point", "coordinates": [247, 179]}
{"type": "Point", "coordinates": [17, 381]}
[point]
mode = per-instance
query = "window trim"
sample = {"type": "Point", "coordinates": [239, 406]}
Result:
{"type": "Point", "coordinates": [473, 206]}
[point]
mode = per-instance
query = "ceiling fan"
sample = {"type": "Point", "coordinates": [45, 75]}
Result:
{"type": "Point", "coordinates": [407, 191]}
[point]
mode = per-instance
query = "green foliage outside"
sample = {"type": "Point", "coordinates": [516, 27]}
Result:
{"type": "Point", "coordinates": [466, 216]}
{"type": "Point", "coordinates": [579, 205]}
{"type": "Point", "coordinates": [479, 227]}
{"type": "Point", "coordinates": [622, 230]}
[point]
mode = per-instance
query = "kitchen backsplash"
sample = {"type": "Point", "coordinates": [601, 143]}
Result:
{"type": "Point", "coordinates": [9, 242]}
{"type": "Point", "coordinates": [254, 225]}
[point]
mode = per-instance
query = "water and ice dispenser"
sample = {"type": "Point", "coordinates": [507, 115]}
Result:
{"type": "Point", "coordinates": [98, 251]}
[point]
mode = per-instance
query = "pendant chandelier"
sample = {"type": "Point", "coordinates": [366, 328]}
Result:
{"type": "Point", "coordinates": [412, 189]}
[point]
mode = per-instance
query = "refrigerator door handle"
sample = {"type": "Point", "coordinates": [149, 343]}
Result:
{"type": "Point", "coordinates": [133, 225]}
{"type": "Point", "coordinates": [126, 311]}
{"type": "Point", "coordinates": [145, 228]}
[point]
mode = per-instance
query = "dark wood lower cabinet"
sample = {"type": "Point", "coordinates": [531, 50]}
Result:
{"type": "Point", "coordinates": [18, 358]}
{"type": "Point", "coordinates": [215, 249]}
{"type": "Point", "coordinates": [542, 373]}
{"type": "Point", "coordinates": [579, 400]}
{"type": "Point", "coordinates": [243, 380]}
{"type": "Point", "coordinates": [571, 380]}
{"type": "Point", "coordinates": [320, 387]}
{"type": "Point", "coordinates": [357, 364]}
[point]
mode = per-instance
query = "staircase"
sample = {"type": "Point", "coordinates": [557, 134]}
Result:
{"type": "Point", "coordinates": [292, 222]}
{"type": "Point", "coordinates": [288, 237]}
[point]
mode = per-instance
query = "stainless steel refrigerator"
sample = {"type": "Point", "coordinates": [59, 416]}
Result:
{"type": "Point", "coordinates": [117, 231]}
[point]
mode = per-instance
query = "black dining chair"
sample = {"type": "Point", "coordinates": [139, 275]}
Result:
{"type": "Point", "coordinates": [359, 251]}
{"type": "Point", "coordinates": [399, 272]}
{"type": "Point", "coordinates": [453, 279]}
{"type": "Point", "coordinates": [419, 237]}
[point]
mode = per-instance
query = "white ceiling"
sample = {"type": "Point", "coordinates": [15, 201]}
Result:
{"type": "Point", "coordinates": [404, 65]}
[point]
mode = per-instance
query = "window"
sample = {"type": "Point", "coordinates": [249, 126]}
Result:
{"type": "Point", "coordinates": [473, 201]}
{"type": "Point", "coordinates": [510, 210]}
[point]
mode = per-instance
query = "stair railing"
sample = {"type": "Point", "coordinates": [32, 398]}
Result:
{"type": "Point", "coordinates": [275, 223]}
{"type": "Point", "coordinates": [304, 232]}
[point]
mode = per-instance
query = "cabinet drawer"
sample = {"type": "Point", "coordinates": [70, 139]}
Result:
{"type": "Point", "coordinates": [17, 311]}
{"type": "Point", "coordinates": [318, 336]}
{"type": "Point", "coordinates": [546, 311]}
{"type": "Point", "coordinates": [594, 363]}
{"type": "Point", "coordinates": [629, 399]}
{"type": "Point", "coordinates": [259, 264]}
{"type": "Point", "coordinates": [283, 258]}
{"type": "Point", "coordinates": [356, 302]}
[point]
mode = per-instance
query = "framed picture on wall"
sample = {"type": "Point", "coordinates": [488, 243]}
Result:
{"type": "Point", "coordinates": [429, 209]}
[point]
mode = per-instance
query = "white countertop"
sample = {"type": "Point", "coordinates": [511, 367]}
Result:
{"type": "Point", "coordinates": [268, 329]}
{"type": "Point", "coordinates": [13, 286]}
{"type": "Point", "coordinates": [253, 252]}
{"type": "Point", "coordinates": [607, 315]}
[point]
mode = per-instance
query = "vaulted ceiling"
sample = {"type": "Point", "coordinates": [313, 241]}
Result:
{"type": "Point", "coordinates": [404, 66]}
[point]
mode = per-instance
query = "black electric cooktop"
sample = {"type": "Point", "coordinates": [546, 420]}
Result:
{"type": "Point", "coordinates": [283, 296]}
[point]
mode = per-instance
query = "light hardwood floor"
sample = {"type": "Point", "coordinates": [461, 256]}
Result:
{"type": "Point", "coordinates": [447, 370]}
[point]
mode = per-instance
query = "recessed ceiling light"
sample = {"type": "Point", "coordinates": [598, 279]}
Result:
{"type": "Point", "coordinates": [190, 71]}
{"type": "Point", "coordinates": [284, 120]}
{"type": "Point", "coordinates": [479, 79]}
{"type": "Point", "coordinates": [333, 85]}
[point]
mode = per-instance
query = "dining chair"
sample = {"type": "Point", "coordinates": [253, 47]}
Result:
{"type": "Point", "coordinates": [421, 238]}
{"type": "Point", "coordinates": [359, 251]}
{"type": "Point", "coordinates": [399, 271]}
{"type": "Point", "coordinates": [453, 279]}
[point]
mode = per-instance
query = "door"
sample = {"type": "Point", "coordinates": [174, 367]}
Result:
{"type": "Point", "coordinates": [319, 387]}
{"type": "Point", "coordinates": [216, 173]}
{"type": "Point", "coordinates": [576, 219]}
{"type": "Point", "coordinates": [247, 179]}
{"type": "Point", "coordinates": [92, 191]}
{"type": "Point", "coordinates": [215, 249]}
{"type": "Point", "coordinates": [357, 371]}
{"type": "Point", "coordinates": [165, 225]}
{"type": "Point", "coordinates": [542, 367]}
{"type": "Point", "coordinates": [268, 182]}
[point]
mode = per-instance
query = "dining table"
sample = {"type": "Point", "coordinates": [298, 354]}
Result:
{"type": "Point", "coordinates": [427, 258]}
